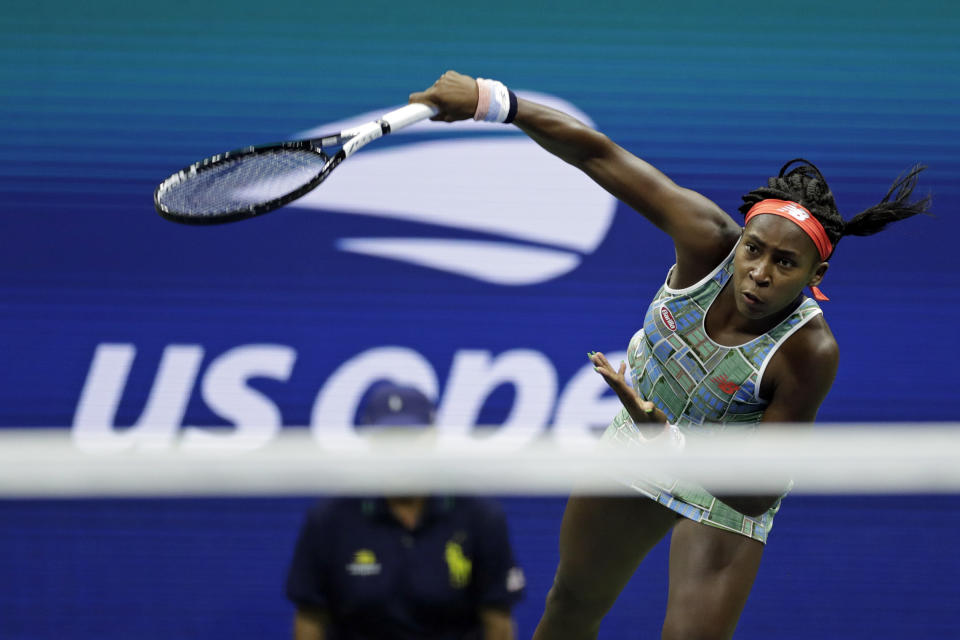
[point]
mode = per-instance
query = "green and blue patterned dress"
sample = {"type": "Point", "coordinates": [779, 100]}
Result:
{"type": "Point", "coordinates": [703, 388]}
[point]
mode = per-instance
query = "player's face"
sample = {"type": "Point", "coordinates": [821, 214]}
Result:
{"type": "Point", "coordinates": [775, 260]}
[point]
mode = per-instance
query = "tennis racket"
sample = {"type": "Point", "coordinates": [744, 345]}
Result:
{"type": "Point", "coordinates": [251, 181]}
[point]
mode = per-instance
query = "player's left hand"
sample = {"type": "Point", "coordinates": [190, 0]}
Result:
{"type": "Point", "coordinates": [642, 411]}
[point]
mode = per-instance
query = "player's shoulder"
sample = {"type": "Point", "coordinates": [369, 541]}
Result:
{"type": "Point", "coordinates": [816, 338]}
{"type": "Point", "coordinates": [802, 372]}
{"type": "Point", "coordinates": [710, 251]}
{"type": "Point", "coordinates": [812, 348]}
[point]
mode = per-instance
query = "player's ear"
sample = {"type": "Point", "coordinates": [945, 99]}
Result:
{"type": "Point", "coordinates": [819, 271]}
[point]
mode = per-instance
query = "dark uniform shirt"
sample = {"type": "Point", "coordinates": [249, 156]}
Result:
{"type": "Point", "coordinates": [378, 580]}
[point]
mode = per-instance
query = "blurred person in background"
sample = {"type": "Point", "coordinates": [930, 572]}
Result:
{"type": "Point", "coordinates": [403, 567]}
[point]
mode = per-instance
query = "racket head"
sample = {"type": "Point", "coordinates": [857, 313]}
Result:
{"type": "Point", "coordinates": [244, 183]}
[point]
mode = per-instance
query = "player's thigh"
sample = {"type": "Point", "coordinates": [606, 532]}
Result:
{"type": "Point", "coordinates": [603, 539]}
{"type": "Point", "coordinates": [711, 574]}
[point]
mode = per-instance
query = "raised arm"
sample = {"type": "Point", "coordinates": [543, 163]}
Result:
{"type": "Point", "coordinates": [702, 233]}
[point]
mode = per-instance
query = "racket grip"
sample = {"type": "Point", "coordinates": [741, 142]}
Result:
{"type": "Point", "coordinates": [410, 114]}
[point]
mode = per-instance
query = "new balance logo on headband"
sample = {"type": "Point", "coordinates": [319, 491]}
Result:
{"type": "Point", "coordinates": [795, 211]}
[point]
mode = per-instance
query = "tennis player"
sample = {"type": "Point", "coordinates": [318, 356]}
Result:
{"type": "Point", "coordinates": [729, 342]}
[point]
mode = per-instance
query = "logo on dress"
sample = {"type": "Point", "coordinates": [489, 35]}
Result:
{"type": "Point", "coordinates": [364, 563]}
{"type": "Point", "coordinates": [667, 318]}
{"type": "Point", "coordinates": [726, 385]}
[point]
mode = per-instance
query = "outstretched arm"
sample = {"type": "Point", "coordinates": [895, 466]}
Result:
{"type": "Point", "coordinates": [702, 233]}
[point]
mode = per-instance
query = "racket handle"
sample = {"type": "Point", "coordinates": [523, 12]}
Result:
{"type": "Point", "coordinates": [392, 121]}
{"type": "Point", "coordinates": [410, 114]}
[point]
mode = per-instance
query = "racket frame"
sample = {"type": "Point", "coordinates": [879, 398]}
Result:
{"type": "Point", "coordinates": [351, 140]}
{"type": "Point", "coordinates": [187, 173]}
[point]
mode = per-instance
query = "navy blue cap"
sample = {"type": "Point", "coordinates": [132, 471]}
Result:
{"type": "Point", "coordinates": [390, 404]}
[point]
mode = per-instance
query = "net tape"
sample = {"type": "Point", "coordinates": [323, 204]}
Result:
{"type": "Point", "coordinates": [845, 459]}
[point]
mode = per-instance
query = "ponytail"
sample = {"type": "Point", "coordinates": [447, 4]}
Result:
{"type": "Point", "coordinates": [806, 185]}
{"type": "Point", "coordinates": [877, 217]}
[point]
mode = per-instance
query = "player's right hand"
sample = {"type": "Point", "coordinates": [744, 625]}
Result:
{"type": "Point", "coordinates": [454, 95]}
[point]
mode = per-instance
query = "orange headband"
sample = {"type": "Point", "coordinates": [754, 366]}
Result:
{"type": "Point", "coordinates": [796, 213]}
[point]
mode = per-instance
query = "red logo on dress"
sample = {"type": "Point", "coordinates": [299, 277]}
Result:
{"type": "Point", "coordinates": [667, 318]}
{"type": "Point", "coordinates": [725, 384]}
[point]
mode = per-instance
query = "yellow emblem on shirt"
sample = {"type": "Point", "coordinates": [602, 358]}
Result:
{"type": "Point", "coordinates": [365, 556]}
{"type": "Point", "coordinates": [459, 565]}
{"type": "Point", "coordinates": [364, 563]}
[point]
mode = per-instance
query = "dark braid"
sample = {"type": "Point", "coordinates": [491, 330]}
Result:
{"type": "Point", "coordinates": [805, 184]}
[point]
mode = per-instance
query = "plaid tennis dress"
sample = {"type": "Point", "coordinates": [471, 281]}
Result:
{"type": "Point", "coordinates": [704, 388]}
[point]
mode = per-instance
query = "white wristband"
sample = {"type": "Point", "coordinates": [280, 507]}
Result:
{"type": "Point", "coordinates": [495, 103]}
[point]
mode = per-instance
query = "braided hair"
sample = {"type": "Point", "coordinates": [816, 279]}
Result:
{"type": "Point", "coordinates": [805, 184]}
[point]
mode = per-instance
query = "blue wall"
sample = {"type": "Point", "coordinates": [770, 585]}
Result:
{"type": "Point", "coordinates": [841, 567]}
{"type": "Point", "coordinates": [102, 100]}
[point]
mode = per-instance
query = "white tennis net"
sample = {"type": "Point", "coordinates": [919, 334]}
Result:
{"type": "Point", "coordinates": [829, 459]}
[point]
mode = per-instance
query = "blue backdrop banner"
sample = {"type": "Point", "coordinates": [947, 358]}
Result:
{"type": "Point", "coordinates": [459, 258]}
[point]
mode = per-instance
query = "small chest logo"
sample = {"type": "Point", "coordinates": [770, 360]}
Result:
{"type": "Point", "coordinates": [364, 563]}
{"type": "Point", "coordinates": [725, 384]}
{"type": "Point", "coordinates": [667, 318]}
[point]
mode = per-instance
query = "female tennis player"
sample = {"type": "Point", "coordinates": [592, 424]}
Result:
{"type": "Point", "coordinates": [729, 342]}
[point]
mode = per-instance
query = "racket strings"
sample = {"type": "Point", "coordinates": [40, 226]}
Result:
{"type": "Point", "coordinates": [241, 183]}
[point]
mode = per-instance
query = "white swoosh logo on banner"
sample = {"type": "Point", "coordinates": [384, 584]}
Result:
{"type": "Point", "coordinates": [502, 184]}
